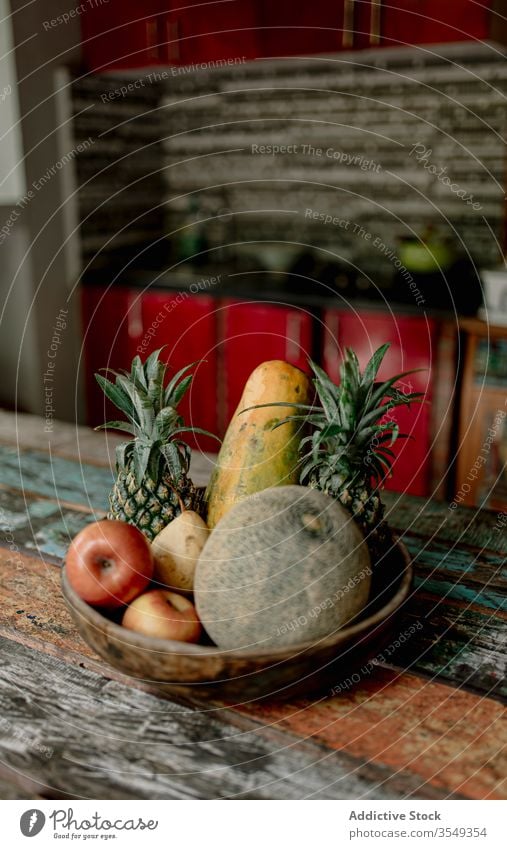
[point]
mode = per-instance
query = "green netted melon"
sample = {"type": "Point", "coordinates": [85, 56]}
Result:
{"type": "Point", "coordinates": [287, 565]}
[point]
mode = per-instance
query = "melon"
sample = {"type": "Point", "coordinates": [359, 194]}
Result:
{"type": "Point", "coordinates": [285, 566]}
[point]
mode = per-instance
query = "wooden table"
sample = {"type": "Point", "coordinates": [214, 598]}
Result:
{"type": "Point", "coordinates": [428, 723]}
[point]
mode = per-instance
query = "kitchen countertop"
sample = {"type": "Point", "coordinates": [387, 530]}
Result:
{"type": "Point", "coordinates": [426, 723]}
{"type": "Point", "coordinates": [229, 281]}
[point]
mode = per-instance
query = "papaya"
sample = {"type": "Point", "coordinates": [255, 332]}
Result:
{"type": "Point", "coordinates": [284, 567]}
{"type": "Point", "coordinates": [253, 456]}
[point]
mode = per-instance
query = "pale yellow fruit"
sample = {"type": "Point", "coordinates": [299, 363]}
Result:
{"type": "Point", "coordinates": [176, 550]}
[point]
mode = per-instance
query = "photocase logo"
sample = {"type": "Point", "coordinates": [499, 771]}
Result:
{"type": "Point", "coordinates": [32, 822]}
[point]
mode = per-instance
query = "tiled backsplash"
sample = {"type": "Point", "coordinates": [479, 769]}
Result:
{"type": "Point", "coordinates": [349, 153]}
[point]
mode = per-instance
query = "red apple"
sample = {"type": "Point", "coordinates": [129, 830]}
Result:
{"type": "Point", "coordinates": [160, 613]}
{"type": "Point", "coordinates": [109, 563]}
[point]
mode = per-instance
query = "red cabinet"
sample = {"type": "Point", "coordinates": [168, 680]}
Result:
{"type": "Point", "coordinates": [186, 324]}
{"type": "Point", "coordinates": [120, 34]}
{"type": "Point", "coordinates": [289, 29]}
{"type": "Point", "coordinates": [214, 32]}
{"type": "Point", "coordinates": [249, 334]}
{"type": "Point", "coordinates": [112, 330]}
{"type": "Point", "coordinates": [126, 34]}
{"type": "Point", "coordinates": [119, 323]}
{"type": "Point", "coordinates": [391, 23]}
{"type": "Point", "coordinates": [412, 345]}
{"type": "Point", "coordinates": [123, 34]}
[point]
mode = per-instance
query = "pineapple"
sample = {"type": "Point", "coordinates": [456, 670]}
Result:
{"type": "Point", "coordinates": [350, 448]}
{"type": "Point", "coordinates": [350, 445]}
{"type": "Point", "coordinates": [152, 485]}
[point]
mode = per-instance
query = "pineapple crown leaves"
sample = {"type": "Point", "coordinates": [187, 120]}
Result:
{"type": "Point", "coordinates": [352, 441]}
{"type": "Point", "coordinates": [152, 418]}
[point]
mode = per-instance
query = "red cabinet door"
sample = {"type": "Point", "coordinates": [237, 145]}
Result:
{"type": "Point", "coordinates": [112, 329]}
{"type": "Point", "coordinates": [249, 334]}
{"type": "Point", "coordinates": [392, 23]}
{"type": "Point", "coordinates": [194, 32]}
{"type": "Point", "coordinates": [186, 325]}
{"type": "Point", "coordinates": [120, 34]}
{"type": "Point", "coordinates": [412, 343]}
{"type": "Point", "coordinates": [456, 20]}
{"type": "Point", "coordinates": [289, 29]}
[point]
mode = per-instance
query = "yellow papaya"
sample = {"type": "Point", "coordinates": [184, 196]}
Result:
{"type": "Point", "coordinates": [253, 456]}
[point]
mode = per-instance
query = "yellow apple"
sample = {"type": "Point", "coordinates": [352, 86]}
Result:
{"type": "Point", "coordinates": [159, 613]}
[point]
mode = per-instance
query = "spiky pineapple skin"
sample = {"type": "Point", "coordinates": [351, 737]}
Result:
{"type": "Point", "coordinates": [367, 510]}
{"type": "Point", "coordinates": [151, 506]}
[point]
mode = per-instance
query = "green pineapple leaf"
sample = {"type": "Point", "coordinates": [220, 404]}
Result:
{"type": "Point", "coordinates": [140, 457]}
{"type": "Point", "coordinates": [126, 427]}
{"type": "Point", "coordinates": [165, 422]}
{"type": "Point", "coordinates": [372, 367]}
{"type": "Point", "coordinates": [181, 388]}
{"type": "Point", "coordinates": [176, 463]}
{"type": "Point", "coordinates": [123, 452]}
{"type": "Point", "coordinates": [179, 430]}
{"type": "Point", "coordinates": [151, 365]}
{"type": "Point", "coordinates": [174, 382]}
{"type": "Point", "coordinates": [118, 397]}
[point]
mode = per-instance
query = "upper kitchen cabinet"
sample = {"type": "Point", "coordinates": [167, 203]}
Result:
{"type": "Point", "coordinates": [394, 23]}
{"type": "Point", "coordinates": [121, 34]}
{"type": "Point", "coordinates": [214, 32]}
{"type": "Point", "coordinates": [289, 29]}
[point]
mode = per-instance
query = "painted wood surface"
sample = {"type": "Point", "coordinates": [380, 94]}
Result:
{"type": "Point", "coordinates": [82, 733]}
{"type": "Point", "coordinates": [390, 734]}
{"type": "Point", "coordinates": [421, 731]}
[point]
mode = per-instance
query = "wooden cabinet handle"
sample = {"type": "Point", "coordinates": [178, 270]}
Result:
{"type": "Point", "coordinates": [348, 23]}
{"type": "Point", "coordinates": [375, 21]}
{"type": "Point", "coordinates": [173, 35]}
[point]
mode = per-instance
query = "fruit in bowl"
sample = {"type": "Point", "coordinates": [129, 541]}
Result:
{"type": "Point", "coordinates": [109, 563]}
{"type": "Point", "coordinates": [163, 614]}
{"type": "Point", "coordinates": [283, 567]}
{"type": "Point", "coordinates": [153, 483]}
{"type": "Point", "coordinates": [256, 455]}
{"type": "Point", "coordinates": [176, 550]}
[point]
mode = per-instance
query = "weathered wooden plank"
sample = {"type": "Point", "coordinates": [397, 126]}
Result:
{"type": "Point", "coordinates": [39, 524]}
{"type": "Point", "coordinates": [427, 518]}
{"type": "Point", "coordinates": [447, 736]}
{"type": "Point", "coordinates": [55, 477]}
{"type": "Point", "coordinates": [74, 731]}
{"type": "Point", "coordinates": [460, 643]}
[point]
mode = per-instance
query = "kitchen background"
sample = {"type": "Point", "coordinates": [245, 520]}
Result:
{"type": "Point", "coordinates": [182, 187]}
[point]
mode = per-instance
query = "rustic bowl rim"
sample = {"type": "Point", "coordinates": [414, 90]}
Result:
{"type": "Point", "coordinates": [173, 647]}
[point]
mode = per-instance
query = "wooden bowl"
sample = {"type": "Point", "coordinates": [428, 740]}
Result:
{"type": "Point", "coordinates": [207, 672]}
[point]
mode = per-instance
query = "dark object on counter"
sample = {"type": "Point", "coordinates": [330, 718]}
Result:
{"type": "Point", "coordinates": [458, 289]}
{"type": "Point", "coordinates": [308, 274]}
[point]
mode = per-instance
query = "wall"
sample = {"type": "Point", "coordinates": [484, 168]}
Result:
{"type": "Point", "coordinates": [357, 129]}
{"type": "Point", "coordinates": [40, 257]}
